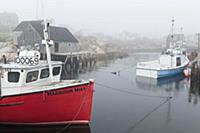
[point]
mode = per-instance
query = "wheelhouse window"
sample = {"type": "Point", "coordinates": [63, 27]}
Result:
{"type": "Point", "coordinates": [56, 71]}
{"type": "Point", "coordinates": [13, 77]}
{"type": "Point", "coordinates": [44, 73]}
{"type": "Point", "coordinates": [32, 76]}
{"type": "Point", "coordinates": [178, 61]}
{"type": "Point", "coordinates": [56, 47]}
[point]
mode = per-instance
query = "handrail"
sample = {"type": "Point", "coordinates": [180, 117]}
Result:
{"type": "Point", "coordinates": [0, 86]}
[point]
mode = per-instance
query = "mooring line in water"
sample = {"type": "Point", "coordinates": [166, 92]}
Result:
{"type": "Point", "coordinates": [129, 92]}
{"type": "Point", "coordinates": [148, 114]}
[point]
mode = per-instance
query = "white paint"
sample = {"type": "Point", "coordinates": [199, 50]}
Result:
{"type": "Point", "coordinates": [166, 61]}
{"type": "Point", "coordinates": [147, 73]}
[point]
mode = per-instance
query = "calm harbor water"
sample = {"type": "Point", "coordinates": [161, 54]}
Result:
{"type": "Point", "coordinates": [124, 103]}
{"type": "Point", "coordinates": [118, 106]}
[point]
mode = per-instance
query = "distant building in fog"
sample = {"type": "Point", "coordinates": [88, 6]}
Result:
{"type": "Point", "coordinates": [28, 33]}
{"type": "Point", "coordinates": [9, 20]}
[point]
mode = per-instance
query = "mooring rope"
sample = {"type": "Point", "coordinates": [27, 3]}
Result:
{"type": "Point", "coordinates": [148, 114]}
{"type": "Point", "coordinates": [76, 114]}
{"type": "Point", "coordinates": [128, 92]}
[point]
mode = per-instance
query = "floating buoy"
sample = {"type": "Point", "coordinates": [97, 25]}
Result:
{"type": "Point", "coordinates": [187, 72]}
{"type": "Point", "coordinates": [190, 64]}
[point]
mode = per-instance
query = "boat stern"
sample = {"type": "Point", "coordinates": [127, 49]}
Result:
{"type": "Point", "coordinates": [146, 73]}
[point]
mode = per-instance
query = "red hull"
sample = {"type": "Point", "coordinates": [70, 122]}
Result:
{"type": "Point", "coordinates": [59, 106]}
{"type": "Point", "coordinates": [46, 129]}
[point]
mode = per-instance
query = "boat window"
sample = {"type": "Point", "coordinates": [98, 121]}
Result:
{"type": "Point", "coordinates": [168, 52]}
{"type": "Point", "coordinates": [32, 76]}
{"type": "Point", "coordinates": [56, 71]}
{"type": "Point", "coordinates": [44, 73]}
{"type": "Point", "coordinates": [13, 76]}
{"type": "Point", "coordinates": [178, 61]}
{"type": "Point", "coordinates": [56, 47]}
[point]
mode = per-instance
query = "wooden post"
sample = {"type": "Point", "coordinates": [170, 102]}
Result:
{"type": "Point", "coordinates": [198, 42]}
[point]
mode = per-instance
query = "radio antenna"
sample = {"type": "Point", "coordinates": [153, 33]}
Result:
{"type": "Point", "coordinates": [47, 41]}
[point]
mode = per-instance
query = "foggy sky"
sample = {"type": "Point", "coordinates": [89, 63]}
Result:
{"type": "Point", "coordinates": [151, 18]}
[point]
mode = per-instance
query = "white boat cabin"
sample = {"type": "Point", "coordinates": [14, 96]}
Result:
{"type": "Point", "coordinates": [169, 59]}
{"type": "Point", "coordinates": [27, 72]}
{"type": "Point", "coordinates": [170, 62]}
{"type": "Point", "coordinates": [172, 58]}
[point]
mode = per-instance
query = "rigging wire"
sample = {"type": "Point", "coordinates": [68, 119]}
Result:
{"type": "Point", "coordinates": [43, 11]}
{"type": "Point", "coordinates": [37, 10]}
{"type": "Point", "coordinates": [148, 114]}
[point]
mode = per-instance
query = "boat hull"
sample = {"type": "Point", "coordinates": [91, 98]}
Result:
{"type": "Point", "coordinates": [59, 106]}
{"type": "Point", "coordinates": [170, 72]}
{"type": "Point", "coordinates": [153, 73]}
{"type": "Point", "coordinates": [78, 128]}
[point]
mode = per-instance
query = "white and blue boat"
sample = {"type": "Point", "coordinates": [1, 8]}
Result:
{"type": "Point", "coordinates": [171, 62]}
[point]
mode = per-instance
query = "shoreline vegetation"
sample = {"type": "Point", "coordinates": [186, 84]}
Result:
{"type": "Point", "coordinates": [103, 46]}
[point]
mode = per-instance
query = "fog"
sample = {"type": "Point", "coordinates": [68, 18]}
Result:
{"type": "Point", "coordinates": [151, 18]}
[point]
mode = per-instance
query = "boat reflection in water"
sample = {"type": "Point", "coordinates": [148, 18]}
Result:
{"type": "Point", "coordinates": [194, 92]}
{"type": "Point", "coordinates": [45, 129]}
{"type": "Point", "coordinates": [170, 85]}
{"type": "Point", "coordinates": [162, 83]}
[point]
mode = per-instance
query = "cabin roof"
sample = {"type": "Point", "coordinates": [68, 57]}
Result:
{"type": "Point", "coordinates": [41, 64]}
{"type": "Point", "coordinates": [60, 34]}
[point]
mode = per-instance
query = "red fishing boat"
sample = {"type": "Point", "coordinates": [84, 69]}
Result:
{"type": "Point", "coordinates": [32, 93]}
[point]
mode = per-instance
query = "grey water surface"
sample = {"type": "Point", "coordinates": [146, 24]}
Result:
{"type": "Point", "coordinates": [124, 103]}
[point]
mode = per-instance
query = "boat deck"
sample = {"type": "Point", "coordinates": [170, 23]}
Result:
{"type": "Point", "coordinates": [154, 65]}
{"type": "Point", "coordinates": [45, 87]}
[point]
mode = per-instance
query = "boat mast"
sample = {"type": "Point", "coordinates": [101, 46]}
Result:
{"type": "Point", "coordinates": [172, 41]}
{"type": "Point", "coordinates": [48, 43]}
{"type": "Point", "coordinates": [182, 37]}
{"type": "Point", "coordinates": [172, 36]}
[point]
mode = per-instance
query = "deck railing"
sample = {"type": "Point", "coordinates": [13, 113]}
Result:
{"type": "Point", "coordinates": [1, 75]}
{"type": "Point", "coordinates": [0, 86]}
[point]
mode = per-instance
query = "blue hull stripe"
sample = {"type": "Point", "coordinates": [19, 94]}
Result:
{"type": "Point", "coordinates": [170, 72]}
